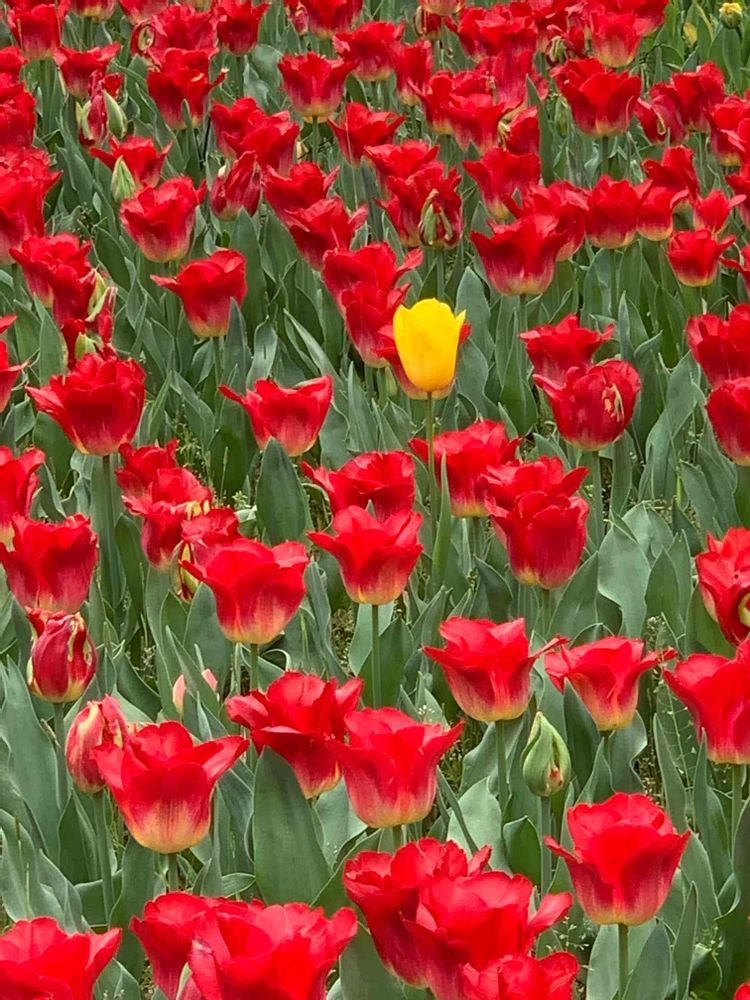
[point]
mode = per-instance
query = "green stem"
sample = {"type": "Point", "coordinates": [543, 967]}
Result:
{"type": "Point", "coordinates": [173, 872]}
{"type": "Point", "coordinates": [614, 300]}
{"type": "Point", "coordinates": [430, 429]}
{"type": "Point", "coordinates": [441, 276]}
{"type": "Point", "coordinates": [502, 764]}
{"type": "Point", "coordinates": [593, 461]}
{"type": "Point", "coordinates": [546, 611]}
{"type": "Point", "coordinates": [108, 548]}
{"type": "Point", "coordinates": [546, 858]}
{"type": "Point", "coordinates": [523, 317]}
{"type": "Point", "coordinates": [623, 961]}
{"type": "Point", "coordinates": [315, 139]}
{"type": "Point", "coordinates": [377, 683]}
{"type": "Point", "coordinates": [604, 162]}
{"type": "Point", "coordinates": [216, 344]}
{"type": "Point", "coordinates": [398, 837]}
{"type": "Point", "coordinates": [738, 779]}
{"type": "Point", "coordinates": [62, 767]}
{"type": "Point", "coordinates": [254, 666]}
{"type": "Point", "coordinates": [102, 846]}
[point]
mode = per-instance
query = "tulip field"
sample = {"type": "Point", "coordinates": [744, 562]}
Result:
{"type": "Point", "coordinates": [374, 500]}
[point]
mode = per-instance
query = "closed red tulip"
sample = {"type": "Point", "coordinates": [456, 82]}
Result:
{"type": "Point", "coordinates": [160, 219]}
{"type": "Point", "coordinates": [173, 496]}
{"type": "Point", "coordinates": [553, 349]}
{"type": "Point", "coordinates": [605, 674]}
{"type": "Point", "coordinates": [412, 65]}
{"type": "Point", "coordinates": [324, 18]}
{"type": "Point", "coordinates": [567, 205]}
{"type": "Point", "coordinates": [258, 589]}
{"type": "Point", "coordinates": [546, 474]}
{"type": "Point", "coordinates": [98, 724]}
{"type": "Point", "coordinates": [38, 959]}
{"type": "Point", "coordinates": [41, 257]}
{"type": "Point", "coordinates": [520, 976]}
{"type": "Point", "coordinates": [601, 101]}
{"type": "Point", "coordinates": [50, 566]}
{"type": "Point", "coordinates": [593, 406]}
{"type": "Point", "coordinates": [545, 535]}
{"type": "Point", "coordinates": [384, 479]}
{"type": "Point", "coordinates": [390, 765]}
{"type": "Point", "coordinates": [162, 783]}
{"type": "Point", "coordinates": [721, 347]}
{"type": "Point", "coordinates": [743, 992]}
{"type": "Point", "coordinates": [77, 68]}
{"type": "Point", "coordinates": [140, 465]}
{"type": "Point", "coordinates": [18, 484]}
{"type": "Point", "coordinates": [694, 256]}
{"type": "Point", "coordinates": [293, 416]}
{"type": "Point", "coordinates": [370, 47]}
{"type": "Point", "coordinates": [487, 666]}
{"type": "Point", "coordinates": [314, 85]}
{"type": "Point", "coordinates": [63, 657]}
{"type": "Point", "coordinates": [182, 77]}
{"type": "Point", "coordinates": [37, 27]}
{"type": "Point", "coordinates": [519, 258]}
{"type": "Point", "coordinates": [238, 23]}
{"type": "Point", "coordinates": [206, 289]}
{"type": "Point", "coordinates": [612, 217]}
{"type": "Point", "coordinates": [179, 689]}
{"type": "Point", "coordinates": [713, 211]}
{"type": "Point", "coordinates": [501, 176]}
{"type": "Point", "coordinates": [326, 225]}
{"type": "Point", "coordinates": [616, 37]}
{"type": "Point", "coordinates": [359, 127]}
{"type": "Point", "coordinates": [299, 188]}
{"type": "Point", "coordinates": [237, 185]}
{"type": "Point", "coordinates": [716, 691]}
{"type": "Point", "coordinates": [17, 113]}
{"type": "Point", "coordinates": [8, 373]}
{"type": "Point", "coordinates": [375, 557]}
{"type": "Point", "coordinates": [245, 951]}
{"type": "Point", "coordinates": [98, 404]}
{"type": "Point", "coordinates": [724, 581]}
{"type": "Point", "coordinates": [25, 179]}
{"type": "Point", "coordinates": [372, 266]}
{"type": "Point", "coordinates": [624, 858]}
{"type": "Point", "coordinates": [425, 207]}
{"type": "Point", "coordinates": [299, 717]}
{"type": "Point", "coordinates": [139, 154]}
{"type": "Point", "coordinates": [467, 455]}
{"type": "Point", "coordinates": [728, 409]}
{"type": "Point", "coordinates": [400, 160]}
{"type": "Point", "coordinates": [656, 210]}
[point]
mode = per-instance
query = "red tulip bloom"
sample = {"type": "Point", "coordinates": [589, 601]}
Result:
{"type": "Point", "coordinates": [625, 855]}
{"type": "Point", "coordinates": [487, 666]}
{"type": "Point", "coordinates": [140, 465]}
{"type": "Point", "coordinates": [42, 258]}
{"type": "Point", "coordinates": [299, 717]}
{"type": "Point", "coordinates": [656, 210]}
{"type": "Point", "coordinates": [139, 154]}
{"type": "Point", "coordinates": [519, 258]}
{"type": "Point", "coordinates": [206, 289]}
{"type": "Point", "coordinates": [12, 61]}
{"type": "Point", "coordinates": [162, 783]}
{"type": "Point", "coordinates": [313, 84]}
{"type": "Point", "coordinates": [467, 455]}
{"type": "Point", "coordinates": [612, 218]}
{"type": "Point", "coordinates": [675, 171]}
{"type": "Point", "coordinates": [173, 496]}
{"type": "Point", "coordinates": [238, 23]}
{"type": "Point", "coordinates": [50, 566]}
{"type": "Point", "coordinates": [63, 657]}
{"type": "Point", "coordinates": [716, 690]}
{"type": "Point", "coordinates": [505, 484]}
{"type": "Point", "coordinates": [554, 349]}
{"type": "Point", "coordinates": [25, 179]}
{"type": "Point", "coordinates": [160, 219]}
{"type": "Point", "coordinates": [98, 404]}
{"type": "Point", "coordinates": [593, 406]}
{"type": "Point", "coordinates": [743, 992]}
{"type": "Point", "coordinates": [712, 212]}
{"type": "Point", "coordinates": [182, 76]}
{"type": "Point", "coordinates": [724, 580]}
{"type": "Point", "coordinates": [300, 188]}
{"type": "Point", "coordinates": [324, 18]}
{"type": "Point", "coordinates": [694, 256]}
{"type": "Point", "coordinates": [500, 175]}
{"type": "Point", "coordinates": [325, 225]}
{"type": "Point", "coordinates": [258, 588]}
{"type": "Point", "coordinates": [412, 65]}
{"type": "Point", "coordinates": [616, 37]}
{"type": "Point", "coordinates": [236, 186]}
{"type": "Point", "coordinates": [376, 558]}
{"type": "Point", "coordinates": [245, 951]}
{"type": "Point", "coordinates": [374, 264]}
{"type": "Point", "coordinates": [78, 68]}
{"type": "Point", "coordinates": [18, 484]}
{"type": "Point", "coordinates": [401, 160]}
{"type": "Point", "coordinates": [425, 207]}
{"type": "Point", "coordinates": [137, 11]}
{"type": "Point", "coordinates": [728, 409]}
{"type": "Point", "coordinates": [384, 479]}
{"type": "Point", "coordinates": [359, 127]}
{"type": "Point", "coordinates": [368, 317]}
{"type": "Point", "coordinates": [17, 114]}
{"type": "Point", "coordinates": [37, 27]}
{"type": "Point", "coordinates": [548, 978]}
{"type": "Point", "coordinates": [602, 102]}
{"type": "Point", "coordinates": [695, 94]}
{"type": "Point", "coordinates": [605, 674]}
{"type": "Point", "coordinates": [38, 959]}
{"type": "Point", "coordinates": [742, 266]}
{"type": "Point", "coordinates": [545, 535]}
{"type": "Point", "coordinates": [99, 724]}
{"type": "Point", "coordinates": [390, 765]}
{"type": "Point", "coordinates": [178, 27]}
{"type": "Point", "coordinates": [721, 347]}
{"type": "Point", "coordinates": [292, 416]}
{"type": "Point", "coordinates": [369, 48]}
{"type": "Point", "coordinates": [244, 128]}
{"type": "Point", "coordinates": [564, 203]}
{"type": "Point", "coordinates": [496, 31]}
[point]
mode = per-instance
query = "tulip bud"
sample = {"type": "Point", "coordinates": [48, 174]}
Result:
{"type": "Point", "coordinates": [123, 183]}
{"type": "Point", "coordinates": [82, 120]}
{"type": "Point", "coordinates": [99, 724]}
{"type": "Point", "coordinates": [730, 14]}
{"type": "Point", "coordinates": [63, 657]}
{"type": "Point", "coordinates": [546, 761]}
{"type": "Point", "coordinates": [690, 34]}
{"type": "Point", "coordinates": [179, 688]}
{"type": "Point", "coordinates": [557, 52]}
{"type": "Point", "coordinates": [116, 120]}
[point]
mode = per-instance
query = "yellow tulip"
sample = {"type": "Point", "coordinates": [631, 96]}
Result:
{"type": "Point", "coordinates": [426, 338]}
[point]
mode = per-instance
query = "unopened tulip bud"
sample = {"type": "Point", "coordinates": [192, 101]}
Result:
{"type": "Point", "coordinates": [546, 762]}
{"type": "Point", "coordinates": [123, 183]}
{"type": "Point", "coordinates": [63, 657]}
{"type": "Point", "coordinates": [179, 688]}
{"type": "Point", "coordinates": [730, 14]}
{"type": "Point", "coordinates": [116, 120]}
{"type": "Point", "coordinates": [99, 724]}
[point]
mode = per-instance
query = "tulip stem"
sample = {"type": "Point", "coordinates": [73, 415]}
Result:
{"type": "Point", "coordinates": [502, 764]}
{"type": "Point", "coordinates": [545, 825]}
{"type": "Point", "coordinates": [623, 960]}
{"type": "Point", "coordinates": [173, 869]}
{"type": "Point", "coordinates": [523, 314]}
{"type": "Point", "coordinates": [614, 301]}
{"type": "Point", "coordinates": [315, 139]}
{"type": "Point", "coordinates": [398, 837]}
{"type": "Point", "coordinates": [216, 344]}
{"type": "Point", "coordinates": [594, 463]}
{"type": "Point", "coordinates": [102, 846]}
{"type": "Point", "coordinates": [62, 767]}
{"type": "Point", "coordinates": [738, 779]}
{"type": "Point", "coordinates": [377, 684]}
{"type": "Point", "coordinates": [108, 548]}
{"type": "Point", "coordinates": [440, 276]}
{"type": "Point", "coordinates": [430, 431]}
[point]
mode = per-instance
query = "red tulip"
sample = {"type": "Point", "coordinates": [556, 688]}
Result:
{"type": "Point", "coordinates": [238, 23]}
{"type": "Point", "coordinates": [390, 765]}
{"type": "Point", "coordinates": [63, 657]}
{"type": "Point", "coordinates": [712, 212]}
{"type": "Point", "coordinates": [675, 171]}
{"type": "Point", "coordinates": [553, 349]}
{"type": "Point", "coordinates": [12, 61]}
{"type": "Point", "coordinates": [612, 218]}
{"type": "Point", "coordinates": [384, 479]}
{"type": "Point", "coordinates": [17, 113]}
{"type": "Point", "coordinates": [137, 11]}
{"type": "Point", "coordinates": [324, 226]}
{"type": "Point", "coordinates": [98, 404]}
{"type": "Point", "coordinates": [8, 373]}
{"type": "Point", "coordinates": [206, 289]}
{"type": "Point", "coordinates": [625, 854]}
{"type": "Point", "coordinates": [258, 589]}
{"type": "Point", "coordinates": [467, 455]}
{"type": "Point", "coordinates": [504, 485]}
{"type": "Point", "coordinates": [369, 48]}
{"type": "Point", "coordinates": [236, 186]}
{"type": "Point", "coordinates": [376, 558]}
{"type": "Point", "coordinates": [38, 959]}
{"type": "Point", "coordinates": [182, 76]}
{"type": "Point", "coordinates": [716, 690]}
{"type": "Point", "coordinates": [98, 724]}
{"type": "Point", "coordinates": [728, 409]}
{"type": "Point", "coordinates": [743, 992]}
{"type": "Point", "coordinates": [400, 161]}
{"type": "Point", "coordinates": [616, 37]}
{"type": "Point", "coordinates": [25, 179]}
{"type": "Point", "coordinates": [519, 258]}
{"type": "Point", "coordinates": [601, 101]}
{"type": "Point", "coordinates": [244, 128]}
{"type": "Point", "coordinates": [373, 264]}
{"type": "Point", "coordinates": [293, 416]}
{"type": "Point", "coordinates": [412, 65]}
{"type": "Point", "coordinates": [139, 154]}
{"type": "Point", "coordinates": [655, 220]}
{"type": "Point", "coordinates": [325, 18]}
{"type": "Point", "coordinates": [77, 68]}
{"type": "Point", "coordinates": [163, 783]}
{"type": "Point", "coordinates": [694, 94]}
{"type": "Point", "coordinates": [245, 951]}
{"type": "Point", "coordinates": [605, 674]}
{"type": "Point", "coordinates": [201, 537]}
{"type": "Point", "coordinates": [42, 257]}
{"type": "Point", "coordinates": [386, 887]}
{"type": "Point", "coordinates": [180, 27]}
{"type": "Point", "coordinates": [568, 207]}
{"type": "Point", "coordinates": [37, 27]}
{"type": "Point", "coordinates": [548, 978]}
{"type": "Point", "coordinates": [303, 186]}
{"type": "Point", "coordinates": [721, 347]}
{"type": "Point", "coordinates": [593, 406]}
{"type": "Point", "coordinates": [18, 484]}
{"type": "Point", "coordinates": [498, 30]}
{"type": "Point", "coordinates": [313, 84]}
{"type": "Point", "coordinates": [724, 580]}
{"type": "Point", "coordinates": [742, 266]}
{"type": "Point", "coordinates": [500, 175]}
{"type": "Point", "coordinates": [369, 312]}
{"type": "Point", "coordinates": [173, 496]}
{"type": "Point", "coordinates": [727, 123]}
{"type": "Point", "coordinates": [299, 717]}
{"type": "Point", "coordinates": [140, 466]}
{"type": "Point", "coordinates": [359, 127]}
{"type": "Point", "coordinates": [425, 207]}
{"type": "Point", "coordinates": [160, 219]}
{"type": "Point", "coordinates": [694, 256]}
{"type": "Point", "coordinates": [50, 566]}
{"type": "Point", "coordinates": [487, 666]}
{"type": "Point", "coordinates": [545, 535]}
